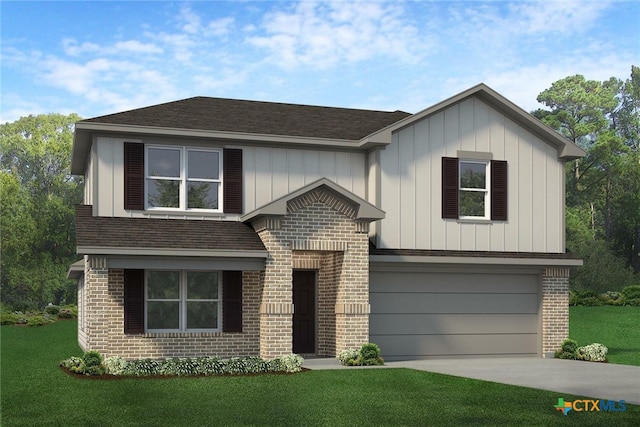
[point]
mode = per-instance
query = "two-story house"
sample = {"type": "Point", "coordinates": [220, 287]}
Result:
{"type": "Point", "coordinates": [227, 227]}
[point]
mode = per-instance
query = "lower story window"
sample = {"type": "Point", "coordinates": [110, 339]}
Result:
{"type": "Point", "coordinates": [182, 300]}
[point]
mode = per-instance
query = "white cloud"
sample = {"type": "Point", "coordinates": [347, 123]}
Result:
{"type": "Point", "coordinates": [323, 35]}
{"type": "Point", "coordinates": [557, 16]}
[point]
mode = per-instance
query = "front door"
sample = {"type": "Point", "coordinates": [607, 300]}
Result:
{"type": "Point", "coordinates": [304, 311]}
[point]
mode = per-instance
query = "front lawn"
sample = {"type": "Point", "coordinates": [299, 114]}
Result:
{"type": "Point", "coordinates": [36, 392]}
{"type": "Point", "coordinates": [618, 328]}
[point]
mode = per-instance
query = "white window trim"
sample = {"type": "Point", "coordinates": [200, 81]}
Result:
{"type": "Point", "coordinates": [486, 190]}
{"type": "Point", "coordinates": [183, 302]}
{"type": "Point", "coordinates": [183, 179]}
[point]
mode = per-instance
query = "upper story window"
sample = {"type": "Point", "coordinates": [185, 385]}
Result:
{"type": "Point", "coordinates": [183, 178]}
{"type": "Point", "coordinates": [474, 189]}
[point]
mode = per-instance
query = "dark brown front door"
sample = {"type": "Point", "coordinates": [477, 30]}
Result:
{"type": "Point", "coordinates": [304, 314]}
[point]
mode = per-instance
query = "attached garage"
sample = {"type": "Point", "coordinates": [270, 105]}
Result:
{"type": "Point", "coordinates": [486, 311]}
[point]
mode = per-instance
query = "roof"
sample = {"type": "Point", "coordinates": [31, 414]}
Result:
{"type": "Point", "coordinates": [255, 117]}
{"type": "Point", "coordinates": [234, 119]}
{"type": "Point", "coordinates": [472, 257]}
{"type": "Point", "coordinates": [186, 237]}
{"type": "Point", "coordinates": [567, 150]}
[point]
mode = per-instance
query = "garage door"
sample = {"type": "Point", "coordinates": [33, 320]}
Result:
{"type": "Point", "coordinates": [424, 315]}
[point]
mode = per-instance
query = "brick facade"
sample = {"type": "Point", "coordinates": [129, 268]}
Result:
{"type": "Point", "coordinates": [320, 233]}
{"type": "Point", "coordinates": [555, 309]}
{"type": "Point", "coordinates": [104, 320]}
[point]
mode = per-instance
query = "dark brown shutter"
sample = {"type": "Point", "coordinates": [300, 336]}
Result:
{"type": "Point", "coordinates": [232, 166]}
{"type": "Point", "coordinates": [232, 301]}
{"type": "Point", "coordinates": [499, 190]}
{"type": "Point", "coordinates": [133, 301]}
{"type": "Point", "coordinates": [449, 187]}
{"type": "Point", "coordinates": [134, 175]}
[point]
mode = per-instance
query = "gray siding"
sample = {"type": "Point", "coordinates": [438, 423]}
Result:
{"type": "Point", "coordinates": [411, 193]}
{"type": "Point", "coordinates": [269, 173]}
{"type": "Point", "coordinates": [418, 315]}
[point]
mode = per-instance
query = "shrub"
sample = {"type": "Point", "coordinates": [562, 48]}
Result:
{"type": "Point", "coordinates": [347, 356]}
{"type": "Point", "coordinates": [370, 354]}
{"type": "Point", "coordinates": [115, 365]}
{"type": "Point", "coordinates": [593, 353]}
{"type": "Point", "coordinates": [52, 309]}
{"type": "Point", "coordinates": [631, 295]}
{"type": "Point", "coordinates": [38, 320]}
{"type": "Point", "coordinates": [68, 312]}
{"type": "Point", "coordinates": [568, 350]}
{"type": "Point", "coordinates": [8, 318]}
{"type": "Point", "coordinates": [291, 363]}
{"type": "Point", "coordinates": [92, 364]}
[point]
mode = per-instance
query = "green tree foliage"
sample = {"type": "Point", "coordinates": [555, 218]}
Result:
{"type": "Point", "coordinates": [36, 212]}
{"type": "Point", "coordinates": [603, 189]}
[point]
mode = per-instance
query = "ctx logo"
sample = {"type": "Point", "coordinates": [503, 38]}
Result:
{"type": "Point", "coordinates": [590, 405]}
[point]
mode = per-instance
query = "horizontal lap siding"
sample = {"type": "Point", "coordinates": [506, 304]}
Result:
{"type": "Point", "coordinates": [431, 314]}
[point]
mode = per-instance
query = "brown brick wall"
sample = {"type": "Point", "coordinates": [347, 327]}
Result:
{"type": "Point", "coordinates": [555, 309]}
{"type": "Point", "coordinates": [104, 299]}
{"type": "Point", "coordinates": [320, 233]}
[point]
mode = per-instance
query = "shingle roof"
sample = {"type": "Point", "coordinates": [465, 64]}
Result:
{"type": "Point", "coordinates": [163, 233]}
{"type": "Point", "coordinates": [373, 250]}
{"type": "Point", "coordinates": [270, 118]}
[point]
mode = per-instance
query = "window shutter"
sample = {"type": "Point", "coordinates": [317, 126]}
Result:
{"type": "Point", "coordinates": [134, 175]}
{"type": "Point", "coordinates": [450, 187]}
{"type": "Point", "coordinates": [499, 190]}
{"type": "Point", "coordinates": [133, 301]}
{"type": "Point", "coordinates": [232, 166]}
{"type": "Point", "coordinates": [232, 301]}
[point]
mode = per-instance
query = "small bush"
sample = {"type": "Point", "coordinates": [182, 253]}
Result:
{"type": "Point", "coordinates": [631, 295]}
{"type": "Point", "coordinates": [68, 312]}
{"type": "Point", "coordinates": [568, 350]}
{"type": "Point", "coordinates": [291, 363]}
{"type": "Point", "coordinates": [8, 318]}
{"type": "Point", "coordinates": [115, 365]}
{"type": "Point", "coordinates": [593, 353]}
{"type": "Point", "coordinates": [52, 309]}
{"type": "Point", "coordinates": [38, 320]}
{"type": "Point", "coordinates": [347, 356]}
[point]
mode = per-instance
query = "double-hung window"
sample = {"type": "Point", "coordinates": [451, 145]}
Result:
{"type": "Point", "coordinates": [474, 189]}
{"type": "Point", "coordinates": [183, 178]}
{"type": "Point", "coordinates": [183, 300]}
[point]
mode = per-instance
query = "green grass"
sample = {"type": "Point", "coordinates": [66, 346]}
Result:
{"type": "Point", "coordinates": [615, 327]}
{"type": "Point", "coordinates": [36, 393]}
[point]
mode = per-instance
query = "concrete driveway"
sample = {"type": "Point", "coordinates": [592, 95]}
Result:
{"type": "Point", "coordinates": [597, 380]}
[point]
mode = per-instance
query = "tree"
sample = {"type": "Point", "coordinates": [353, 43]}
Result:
{"type": "Point", "coordinates": [603, 189]}
{"type": "Point", "coordinates": [37, 216]}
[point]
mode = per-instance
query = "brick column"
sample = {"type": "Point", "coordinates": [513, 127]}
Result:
{"type": "Point", "coordinates": [352, 305]}
{"type": "Point", "coordinates": [96, 300]}
{"type": "Point", "coordinates": [276, 309]}
{"type": "Point", "coordinates": [555, 309]}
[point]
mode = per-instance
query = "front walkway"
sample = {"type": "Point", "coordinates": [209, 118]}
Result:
{"type": "Point", "coordinates": [597, 380]}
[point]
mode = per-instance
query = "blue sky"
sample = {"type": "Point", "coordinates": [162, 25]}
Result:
{"type": "Point", "coordinates": [100, 57]}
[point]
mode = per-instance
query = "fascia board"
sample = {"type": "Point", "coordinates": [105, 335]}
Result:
{"type": "Point", "coordinates": [556, 262]}
{"type": "Point", "coordinates": [223, 135]}
{"type": "Point", "coordinates": [178, 252]}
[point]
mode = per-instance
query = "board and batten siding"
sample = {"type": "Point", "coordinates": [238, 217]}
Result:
{"type": "Point", "coordinates": [411, 184]}
{"type": "Point", "coordinates": [268, 173]}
